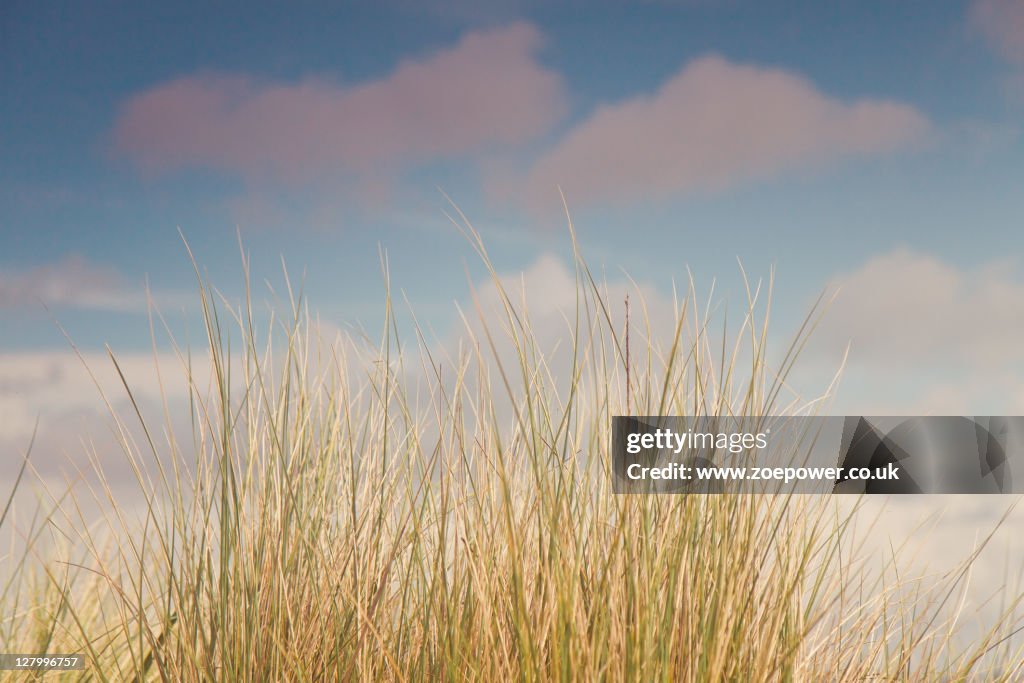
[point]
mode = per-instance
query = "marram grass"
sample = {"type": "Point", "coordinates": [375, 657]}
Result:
{"type": "Point", "coordinates": [409, 511]}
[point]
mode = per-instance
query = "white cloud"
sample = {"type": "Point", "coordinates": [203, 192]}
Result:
{"type": "Point", "coordinates": [906, 308]}
{"type": "Point", "coordinates": [925, 336]}
{"type": "Point", "coordinates": [67, 396]}
{"type": "Point", "coordinates": [546, 291]}
{"type": "Point", "coordinates": [59, 382]}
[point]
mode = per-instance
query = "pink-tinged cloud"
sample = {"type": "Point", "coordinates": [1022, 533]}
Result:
{"type": "Point", "coordinates": [1002, 23]}
{"type": "Point", "coordinates": [487, 91]}
{"type": "Point", "coordinates": [712, 126]}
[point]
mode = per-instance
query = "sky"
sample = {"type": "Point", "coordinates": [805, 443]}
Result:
{"type": "Point", "coordinates": [873, 147]}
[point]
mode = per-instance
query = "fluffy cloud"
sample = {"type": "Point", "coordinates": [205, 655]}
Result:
{"type": "Point", "coordinates": [906, 307]}
{"type": "Point", "coordinates": [547, 294]}
{"type": "Point", "coordinates": [925, 337]}
{"type": "Point", "coordinates": [486, 91]}
{"type": "Point", "coordinates": [1002, 23]}
{"type": "Point", "coordinates": [72, 282]}
{"type": "Point", "coordinates": [711, 126]}
{"type": "Point", "coordinates": [53, 385]}
{"type": "Point", "coordinates": [70, 401]}
{"type": "Point", "coordinates": [76, 430]}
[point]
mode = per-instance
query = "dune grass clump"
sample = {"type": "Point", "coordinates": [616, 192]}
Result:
{"type": "Point", "coordinates": [407, 510]}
